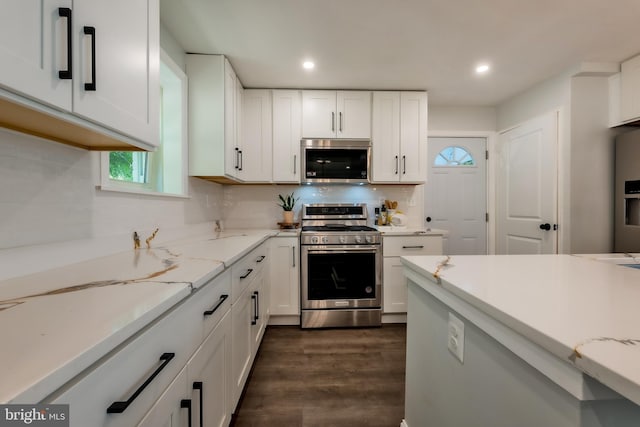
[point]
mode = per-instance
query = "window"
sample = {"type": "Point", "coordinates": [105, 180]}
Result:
{"type": "Point", "coordinates": [164, 170]}
{"type": "Point", "coordinates": [454, 156]}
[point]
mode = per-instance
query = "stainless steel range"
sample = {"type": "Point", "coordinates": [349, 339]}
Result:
{"type": "Point", "coordinates": [340, 267]}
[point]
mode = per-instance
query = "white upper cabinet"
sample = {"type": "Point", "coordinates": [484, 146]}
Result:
{"type": "Point", "coordinates": [213, 118]}
{"type": "Point", "coordinates": [287, 110]}
{"type": "Point", "coordinates": [630, 89]}
{"type": "Point", "coordinates": [34, 40]}
{"type": "Point", "coordinates": [399, 137]}
{"type": "Point", "coordinates": [255, 137]}
{"type": "Point", "coordinates": [331, 114]}
{"type": "Point", "coordinates": [97, 60]}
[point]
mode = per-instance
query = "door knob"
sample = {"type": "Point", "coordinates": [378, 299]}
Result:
{"type": "Point", "coordinates": [545, 226]}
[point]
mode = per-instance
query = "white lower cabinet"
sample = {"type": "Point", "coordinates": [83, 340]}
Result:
{"type": "Point", "coordinates": [285, 276]}
{"type": "Point", "coordinates": [172, 409]}
{"type": "Point", "coordinates": [188, 367]}
{"type": "Point", "coordinates": [394, 283]}
{"type": "Point", "coordinates": [209, 378]}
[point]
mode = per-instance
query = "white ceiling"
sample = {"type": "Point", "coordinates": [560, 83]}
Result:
{"type": "Point", "coordinates": [407, 44]}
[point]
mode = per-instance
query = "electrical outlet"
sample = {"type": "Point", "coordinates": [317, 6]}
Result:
{"type": "Point", "coordinates": [381, 200]}
{"type": "Point", "coordinates": [455, 337]}
{"type": "Point", "coordinates": [411, 202]}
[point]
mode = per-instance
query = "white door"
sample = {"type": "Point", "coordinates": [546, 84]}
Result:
{"type": "Point", "coordinates": [455, 193]}
{"type": "Point", "coordinates": [526, 193]}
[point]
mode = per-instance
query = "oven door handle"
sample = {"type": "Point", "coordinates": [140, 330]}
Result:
{"type": "Point", "coordinates": [371, 250]}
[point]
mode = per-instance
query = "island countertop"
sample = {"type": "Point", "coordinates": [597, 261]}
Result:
{"type": "Point", "coordinates": [581, 310]}
{"type": "Point", "coordinates": [56, 323]}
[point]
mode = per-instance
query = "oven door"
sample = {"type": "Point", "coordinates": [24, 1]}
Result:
{"type": "Point", "coordinates": [344, 277]}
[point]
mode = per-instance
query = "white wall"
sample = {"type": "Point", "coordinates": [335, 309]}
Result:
{"type": "Point", "coordinates": [443, 118]}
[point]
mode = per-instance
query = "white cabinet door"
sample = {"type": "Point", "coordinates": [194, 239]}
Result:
{"type": "Point", "coordinates": [256, 135]}
{"type": "Point", "coordinates": [630, 89]}
{"type": "Point", "coordinates": [394, 289]}
{"type": "Point", "coordinates": [287, 117]}
{"type": "Point", "coordinates": [116, 81]}
{"type": "Point", "coordinates": [284, 278]}
{"type": "Point", "coordinates": [353, 114]}
{"type": "Point", "coordinates": [173, 408]}
{"type": "Point", "coordinates": [209, 373]}
{"type": "Point", "coordinates": [413, 137]}
{"type": "Point", "coordinates": [242, 315]}
{"type": "Point", "coordinates": [231, 149]}
{"type": "Point", "coordinates": [33, 49]}
{"type": "Point", "coordinates": [385, 137]}
{"type": "Point", "coordinates": [319, 114]}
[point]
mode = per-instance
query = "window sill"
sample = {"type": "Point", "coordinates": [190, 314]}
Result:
{"type": "Point", "coordinates": [118, 189]}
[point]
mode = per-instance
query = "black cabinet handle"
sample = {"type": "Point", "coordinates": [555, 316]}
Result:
{"type": "Point", "coordinates": [91, 31]}
{"type": "Point", "coordinates": [186, 403]}
{"type": "Point", "coordinates": [397, 166]}
{"type": "Point", "coordinates": [65, 12]}
{"type": "Point", "coordinates": [197, 385]}
{"type": "Point", "coordinates": [237, 166]}
{"type": "Point", "coordinates": [413, 247]}
{"type": "Point", "coordinates": [545, 227]}
{"type": "Point", "coordinates": [333, 121]}
{"type": "Point", "coordinates": [293, 256]}
{"type": "Point", "coordinates": [241, 160]}
{"type": "Point", "coordinates": [249, 271]}
{"type": "Point", "coordinates": [217, 306]}
{"type": "Point", "coordinates": [340, 121]}
{"type": "Point", "coordinates": [121, 406]}
{"type": "Point", "coordinates": [404, 165]}
{"type": "Point", "coordinates": [255, 309]}
{"type": "Point", "coordinates": [257, 294]}
{"type": "Point", "coordinates": [259, 260]}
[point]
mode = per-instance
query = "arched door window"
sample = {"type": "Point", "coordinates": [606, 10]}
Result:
{"type": "Point", "coordinates": [454, 156]}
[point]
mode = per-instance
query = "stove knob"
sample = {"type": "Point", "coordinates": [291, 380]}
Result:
{"type": "Point", "coordinates": [324, 239]}
{"type": "Point", "coordinates": [369, 239]}
{"type": "Point", "coordinates": [358, 239]}
{"type": "Point", "coordinates": [343, 239]}
{"type": "Point", "coordinates": [315, 240]}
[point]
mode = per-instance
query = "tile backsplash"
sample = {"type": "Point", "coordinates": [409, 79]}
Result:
{"type": "Point", "coordinates": [256, 206]}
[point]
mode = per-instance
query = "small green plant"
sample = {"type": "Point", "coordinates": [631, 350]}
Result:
{"type": "Point", "coordinates": [287, 202]}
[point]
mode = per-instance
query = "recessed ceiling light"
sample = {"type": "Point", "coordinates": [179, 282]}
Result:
{"type": "Point", "coordinates": [482, 68]}
{"type": "Point", "coordinates": [308, 65]}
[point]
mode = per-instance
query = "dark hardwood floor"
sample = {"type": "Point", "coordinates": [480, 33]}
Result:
{"type": "Point", "coordinates": [327, 377]}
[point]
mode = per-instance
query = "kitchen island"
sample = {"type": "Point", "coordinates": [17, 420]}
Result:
{"type": "Point", "coordinates": [542, 340]}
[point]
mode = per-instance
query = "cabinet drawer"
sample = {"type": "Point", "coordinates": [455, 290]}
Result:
{"type": "Point", "coordinates": [246, 269]}
{"type": "Point", "coordinates": [411, 245]}
{"type": "Point", "coordinates": [212, 301]}
{"type": "Point", "coordinates": [122, 374]}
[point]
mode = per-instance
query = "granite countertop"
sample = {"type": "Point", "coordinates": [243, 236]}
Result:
{"type": "Point", "coordinates": [581, 310]}
{"type": "Point", "coordinates": [56, 323]}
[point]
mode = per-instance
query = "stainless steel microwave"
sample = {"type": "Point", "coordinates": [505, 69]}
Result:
{"type": "Point", "coordinates": [335, 161]}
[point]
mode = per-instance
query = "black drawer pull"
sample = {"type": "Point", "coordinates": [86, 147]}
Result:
{"type": "Point", "coordinates": [120, 407]}
{"type": "Point", "coordinates": [197, 385]}
{"type": "Point", "coordinates": [259, 260]}
{"type": "Point", "coordinates": [218, 304]}
{"type": "Point", "coordinates": [186, 403]}
{"type": "Point", "coordinates": [413, 247]}
{"type": "Point", "coordinates": [65, 12]}
{"type": "Point", "coordinates": [91, 31]}
{"type": "Point", "coordinates": [257, 294]}
{"type": "Point", "coordinates": [249, 271]}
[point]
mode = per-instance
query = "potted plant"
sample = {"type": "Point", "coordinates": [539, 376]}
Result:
{"type": "Point", "coordinates": [287, 202]}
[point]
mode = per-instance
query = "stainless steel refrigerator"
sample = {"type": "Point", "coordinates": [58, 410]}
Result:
{"type": "Point", "coordinates": [627, 192]}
